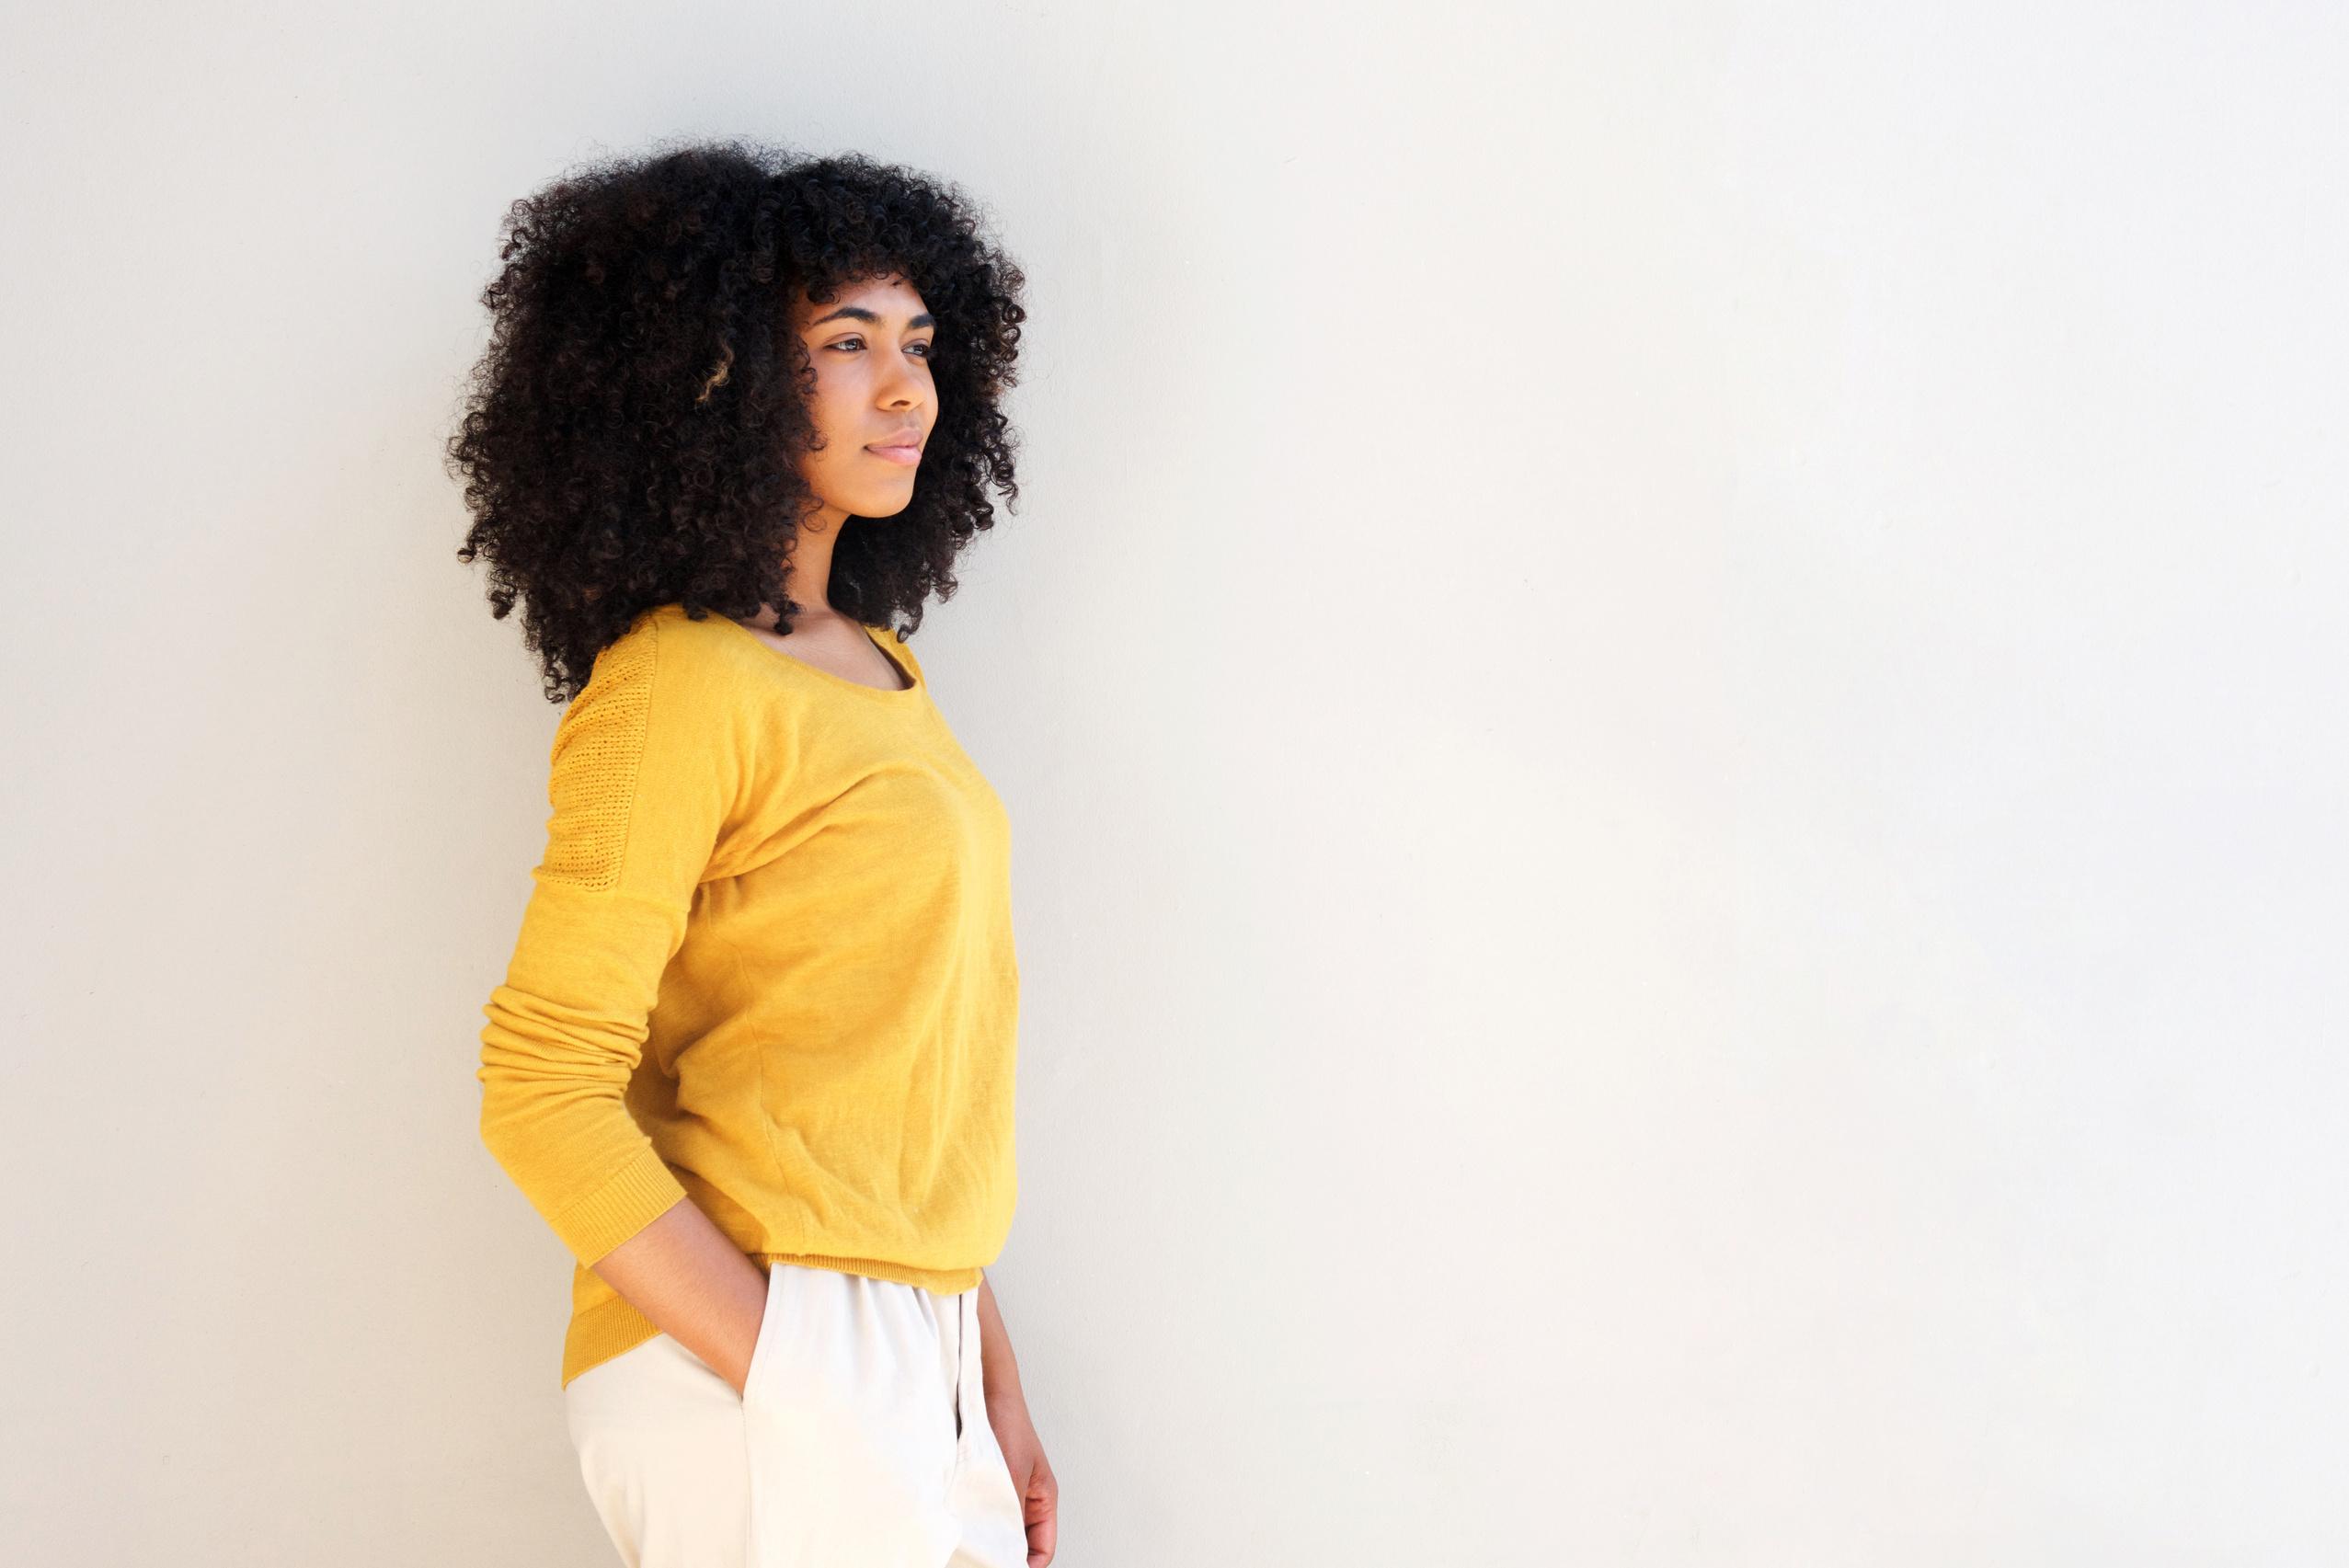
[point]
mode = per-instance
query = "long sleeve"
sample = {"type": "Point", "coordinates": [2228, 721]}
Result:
{"type": "Point", "coordinates": [646, 766]}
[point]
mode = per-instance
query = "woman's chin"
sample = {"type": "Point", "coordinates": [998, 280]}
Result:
{"type": "Point", "coordinates": [886, 505]}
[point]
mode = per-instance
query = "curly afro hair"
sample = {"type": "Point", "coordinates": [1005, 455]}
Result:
{"type": "Point", "coordinates": [632, 434]}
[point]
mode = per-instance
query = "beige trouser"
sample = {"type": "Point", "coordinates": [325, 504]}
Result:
{"type": "Point", "coordinates": [860, 1439]}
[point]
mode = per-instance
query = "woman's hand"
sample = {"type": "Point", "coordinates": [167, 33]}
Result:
{"type": "Point", "coordinates": [1032, 1473]}
{"type": "Point", "coordinates": [1016, 1433]}
{"type": "Point", "coordinates": [696, 1287]}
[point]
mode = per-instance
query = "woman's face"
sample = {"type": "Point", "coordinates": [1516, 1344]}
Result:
{"type": "Point", "coordinates": [874, 402]}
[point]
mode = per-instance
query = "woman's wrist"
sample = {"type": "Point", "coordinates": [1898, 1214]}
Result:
{"type": "Point", "coordinates": [696, 1287]}
{"type": "Point", "coordinates": [999, 1370]}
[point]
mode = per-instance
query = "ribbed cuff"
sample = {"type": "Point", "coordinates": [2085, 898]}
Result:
{"type": "Point", "coordinates": [637, 1194]}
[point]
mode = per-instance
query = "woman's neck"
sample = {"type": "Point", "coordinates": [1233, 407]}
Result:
{"type": "Point", "coordinates": [807, 577]}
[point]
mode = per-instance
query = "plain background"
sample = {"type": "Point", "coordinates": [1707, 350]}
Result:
{"type": "Point", "coordinates": [1671, 683]}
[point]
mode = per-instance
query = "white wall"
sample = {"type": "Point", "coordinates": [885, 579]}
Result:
{"type": "Point", "coordinates": [1672, 688]}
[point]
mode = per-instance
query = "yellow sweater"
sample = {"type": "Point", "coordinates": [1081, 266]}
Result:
{"type": "Point", "coordinates": [767, 963]}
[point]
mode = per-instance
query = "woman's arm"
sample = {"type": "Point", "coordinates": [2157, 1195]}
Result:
{"type": "Point", "coordinates": [643, 777]}
{"type": "Point", "coordinates": [1016, 1433]}
{"type": "Point", "coordinates": [697, 1286]}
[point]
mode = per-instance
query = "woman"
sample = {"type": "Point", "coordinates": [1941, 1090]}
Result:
{"type": "Point", "coordinates": [753, 1058]}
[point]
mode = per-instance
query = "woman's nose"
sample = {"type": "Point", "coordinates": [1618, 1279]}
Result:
{"type": "Point", "coordinates": [901, 390]}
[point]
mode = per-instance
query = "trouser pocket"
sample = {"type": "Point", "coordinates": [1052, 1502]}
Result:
{"type": "Point", "coordinates": [660, 1443]}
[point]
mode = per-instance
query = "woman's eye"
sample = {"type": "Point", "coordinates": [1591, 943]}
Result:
{"type": "Point", "coordinates": [850, 343]}
{"type": "Point", "coordinates": [921, 349]}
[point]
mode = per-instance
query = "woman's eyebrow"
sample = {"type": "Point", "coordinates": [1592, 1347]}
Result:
{"type": "Point", "coordinates": [858, 312]}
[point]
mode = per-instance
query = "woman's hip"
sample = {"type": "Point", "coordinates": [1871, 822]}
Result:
{"type": "Point", "coordinates": [860, 1440]}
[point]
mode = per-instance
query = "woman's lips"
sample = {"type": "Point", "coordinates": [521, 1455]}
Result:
{"type": "Point", "coordinates": [908, 452]}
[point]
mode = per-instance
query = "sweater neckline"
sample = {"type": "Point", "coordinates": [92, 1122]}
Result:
{"type": "Point", "coordinates": [912, 675]}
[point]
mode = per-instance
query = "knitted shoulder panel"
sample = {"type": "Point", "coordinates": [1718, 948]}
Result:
{"type": "Point", "coordinates": [599, 750]}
